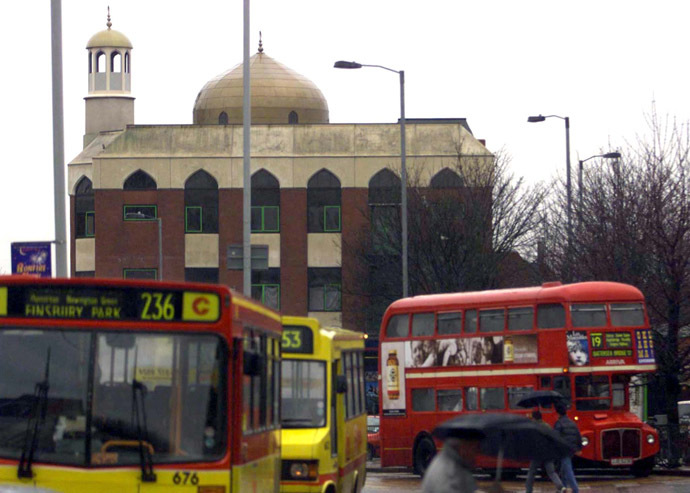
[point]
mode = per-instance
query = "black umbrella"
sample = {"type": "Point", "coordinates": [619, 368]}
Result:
{"type": "Point", "coordinates": [506, 435]}
{"type": "Point", "coordinates": [540, 398]}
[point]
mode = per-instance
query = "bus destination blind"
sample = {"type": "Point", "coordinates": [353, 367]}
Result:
{"type": "Point", "coordinates": [297, 339]}
{"type": "Point", "coordinates": [108, 304]}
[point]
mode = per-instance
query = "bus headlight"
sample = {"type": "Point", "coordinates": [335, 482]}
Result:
{"type": "Point", "coordinates": [295, 470]}
{"type": "Point", "coordinates": [585, 441]}
{"type": "Point", "coordinates": [650, 439]}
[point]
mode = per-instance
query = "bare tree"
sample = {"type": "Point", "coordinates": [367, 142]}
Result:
{"type": "Point", "coordinates": [469, 229]}
{"type": "Point", "coordinates": [633, 226]}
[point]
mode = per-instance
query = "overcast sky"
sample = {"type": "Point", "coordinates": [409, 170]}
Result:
{"type": "Point", "coordinates": [602, 63]}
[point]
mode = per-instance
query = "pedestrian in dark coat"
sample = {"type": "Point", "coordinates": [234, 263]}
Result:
{"type": "Point", "coordinates": [450, 470]}
{"type": "Point", "coordinates": [548, 465]}
{"type": "Point", "coordinates": [568, 430]}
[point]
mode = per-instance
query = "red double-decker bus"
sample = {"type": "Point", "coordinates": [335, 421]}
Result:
{"type": "Point", "coordinates": [445, 354]}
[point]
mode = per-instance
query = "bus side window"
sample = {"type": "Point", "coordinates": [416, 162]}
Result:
{"type": "Point", "coordinates": [544, 382]}
{"type": "Point", "coordinates": [449, 400]}
{"type": "Point", "coordinates": [449, 323]}
{"type": "Point", "coordinates": [471, 399]}
{"type": "Point", "coordinates": [550, 316]}
{"type": "Point", "coordinates": [561, 384]}
{"type": "Point", "coordinates": [492, 398]}
{"type": "Point", "coordinates": [521, 318]}
{"type": "Point", "coordinates": [492, 320]}
{"type": "Point", "coordinates": [423, 400]}
{"type": "Point", "coordinates": [398, 326]}
{"type": "Point", "coordinates": [422, 324]}
{"type": "Point", "coordinates": [471, 321]}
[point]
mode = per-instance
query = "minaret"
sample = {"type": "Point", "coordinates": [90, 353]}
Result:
{"type": "Point", "coordinates": [109, 105]}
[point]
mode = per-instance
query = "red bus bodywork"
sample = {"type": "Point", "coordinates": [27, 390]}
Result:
{"type": "Point", "coordinates": [445, 354]}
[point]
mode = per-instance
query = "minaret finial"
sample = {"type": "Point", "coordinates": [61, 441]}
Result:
{"type": "Point", "coordinates": [109, 24]}
{"type": "Point", "coordinates": [261, 46]}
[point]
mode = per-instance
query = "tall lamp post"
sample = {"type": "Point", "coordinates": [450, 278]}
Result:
{"type": "Point", "coordinates": [403, 168]}
{"type": "Point", "coordinates": [608, 155]}
{"type": "Point", "coordinates": [142, 216]}
{"type": "Point", "coordinates": [568, 185]}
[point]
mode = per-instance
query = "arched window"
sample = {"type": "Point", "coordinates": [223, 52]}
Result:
{"type": "Point", "coordinates": [384, 188]}
{"type": "Point", "coordinates": [100, 62]}
{"type": "Point", "coordinates": [384, 208]}
{"type": "Point", "coordinates": [115, 62]}
{"type": "Point", "coordinates": [446, 178]}
{"type": "Point", "coordinates": [201, 203]}
{"type": "Point", "coordinates": [265, 203]}
{"type": "Point", "coordinates": [323, 203]}
{"type": "Point", "coordinates": [90, 62]}
{"type": "Point", "coordinates": [140, 180]}
{"type": "Point", "coordinates": [223, 118]}
{"type": "Point", "coordinates": [293, 118]}
{"type": "Point", "coordinates": [127, 62]}
{"type": "Point", "coordinates": [84, 210]}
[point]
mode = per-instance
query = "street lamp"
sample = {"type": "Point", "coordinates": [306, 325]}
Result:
{"type": "Point", "coordinates": [608, 155]}
{"type": "Point", "coordinates": [403, 168]}
{"type": "Point", "coordinates": [141, 215]}
{"type": "Point", "coordinates": [568, 186]}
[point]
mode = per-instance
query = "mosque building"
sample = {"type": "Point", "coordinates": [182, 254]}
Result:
{"type": "Point", "coordinates": [311, 181]}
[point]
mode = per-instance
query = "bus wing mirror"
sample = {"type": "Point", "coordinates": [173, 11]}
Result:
{"type": "Point", "coordinates": [340, 384]}
{"type": "Point", "coordinates": [252, 364]}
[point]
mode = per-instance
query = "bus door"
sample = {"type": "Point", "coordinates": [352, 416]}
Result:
{"type": "Point", "coordinates": [334, 410]}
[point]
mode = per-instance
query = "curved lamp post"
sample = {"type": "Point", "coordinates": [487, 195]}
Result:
{"type": "Point", "coordinates": [403, 169]}
{"type": "Point", "coordinates": [608, 155]}
{"type": "Point", "coordinates": [568, 185]}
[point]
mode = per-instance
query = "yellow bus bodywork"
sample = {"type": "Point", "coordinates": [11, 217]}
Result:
{"type": "Point", "coordinates": [344, 471]}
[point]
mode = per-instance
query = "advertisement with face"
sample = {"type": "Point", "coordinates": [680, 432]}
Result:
{"type": "Point", "coordinates": [578, 347]}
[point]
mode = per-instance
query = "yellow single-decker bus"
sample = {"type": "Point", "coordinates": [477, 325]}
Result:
{"type": "Point", "coordinates": [323, 418]}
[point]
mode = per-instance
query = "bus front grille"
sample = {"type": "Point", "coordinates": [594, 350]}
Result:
{"type": "Point", "coordinates": [620, 443]}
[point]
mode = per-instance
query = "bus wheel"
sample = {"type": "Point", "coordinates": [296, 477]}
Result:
{"type": "Point", "coordinates": [643, 468]}
{"type": "Point", "coordinates": [423, 454]}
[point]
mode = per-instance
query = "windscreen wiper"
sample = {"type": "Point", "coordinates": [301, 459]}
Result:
{"type": "Point", "coordinates": [36, 418]}
{"type": "Point", "coordinates": [145, 455]}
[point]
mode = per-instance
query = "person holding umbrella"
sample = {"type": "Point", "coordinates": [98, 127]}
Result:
{"type": "Point", "coordinates": [450, 470]}
{"type": "Point", "coordinates": [568, 430]}
{"type": "Point", "coordinates": [548, 465]}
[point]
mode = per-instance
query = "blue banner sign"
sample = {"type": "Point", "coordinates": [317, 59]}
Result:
{"type": "Point", "coordinates": [31, 259]}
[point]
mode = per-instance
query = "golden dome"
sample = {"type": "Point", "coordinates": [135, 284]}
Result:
{"type": "Point", "coordinates": [109, 38]}
{"type": "Point", "coordinates": [279, 96]}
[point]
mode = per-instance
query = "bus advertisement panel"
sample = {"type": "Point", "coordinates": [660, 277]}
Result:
{"type": "Point", "coordinates": [473, 352]}
{"type": "Point", "coordinates": [324, 427]}
{"type": "Point", "coordinates": [109, 385]}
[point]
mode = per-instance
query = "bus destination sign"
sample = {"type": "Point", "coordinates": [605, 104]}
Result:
{"type": "Point", "coordinates": [297, 339]}
{"type": "Point", "coordinates": [108, 304]}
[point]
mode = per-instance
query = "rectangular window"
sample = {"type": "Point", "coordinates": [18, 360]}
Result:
{"type": "Point", "coordinates": [449, 323]}
{"type": "Point", "coordinates": [398, 326]}
{"type": "Point", "coordinates": [265, 219]}
{"type": "Point", "coordinates": [550, 316]}
{"type": "Point", "coordinates": [515, 394]}
{"type": "Point", "coordinates": [268, 294]}
{"type": "Point", "coordinates": [422, 324]}
{"type": "Point", "coordinates": [193, 219]}
{"type": "Point", "coordinates": [331, 218]}
{"type": "Point", "coordinates": [471, 321]}
{"type": "Point", "coordinates": [201, 274]}
{"type": "Point", "coordinates": [449, 400]}
{"type": "Point", "coordinates": [520, 318]}
{"type": "Point", "coordinates": [471, 399]}
{"type": "Point", "coordinates": [139, 212]}
{"type": "Point", "coordinates": [140, 274]}
{"type": "Point", "coordinates": [324, 289]}
{"type": "Point", "coordinates": [90, 226]}
{"type": "Point", "coordinates": [423, 400]}
{"type": "Point", "coordinates": [627, 314]}
{"type": "Point", "coordinates": [303, 394]}
{"type": "Point", "coordinates": [491, 320]}
{"type": "Point", "coordinates": [588, 314]}
{"type": "Point", "coordinates": [492, 398]}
